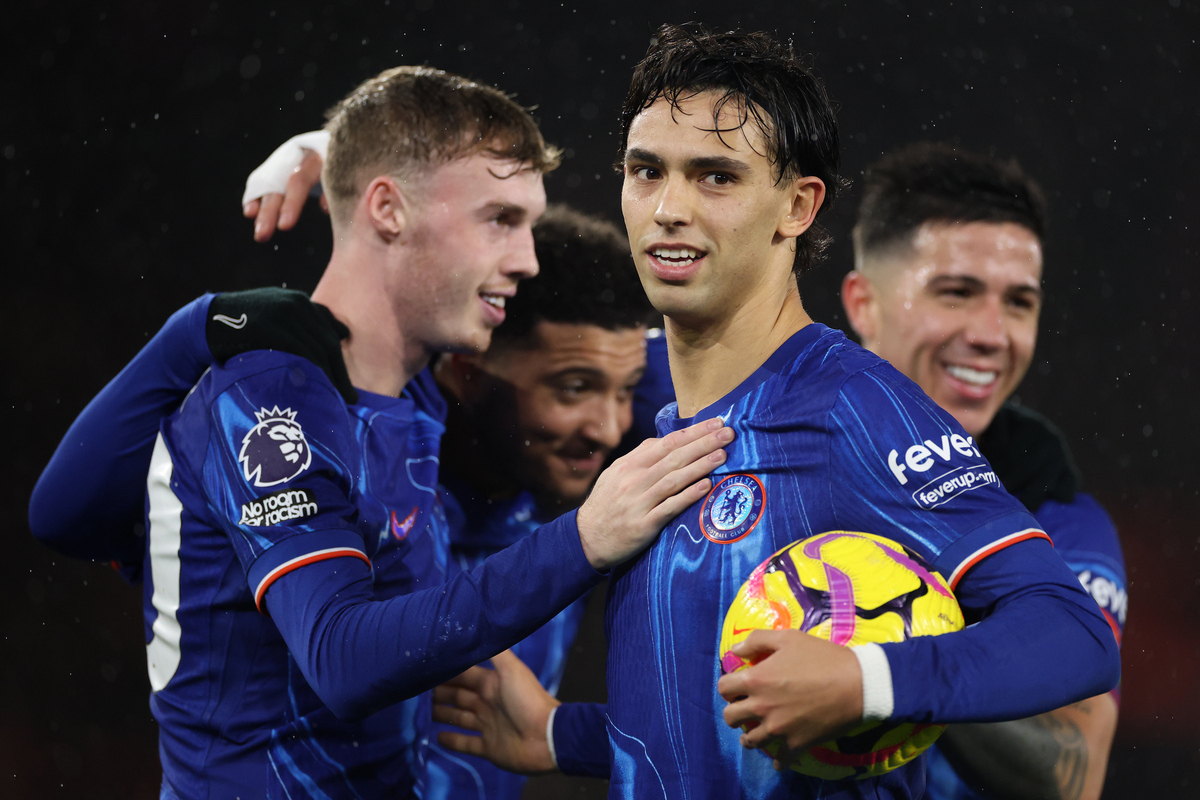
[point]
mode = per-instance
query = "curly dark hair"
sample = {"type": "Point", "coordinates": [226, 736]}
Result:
{"type": "Point", "coordinates": [585, 276]}
{"type": "Point", "coordinates": [928, 181]}
{"type": "Point", "coordinates": [771, 87]}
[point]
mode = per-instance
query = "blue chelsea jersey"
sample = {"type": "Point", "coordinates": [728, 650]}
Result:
{"type": "Point", "coordinates": [265, 469]}
{"type": "Point", "coordinates": [829, 437]}
{"type": "Point", "coordinates": [478, 529]}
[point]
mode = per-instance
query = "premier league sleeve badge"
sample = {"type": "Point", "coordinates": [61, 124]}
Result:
{"type": "Point", "coordinates": [275, 450]}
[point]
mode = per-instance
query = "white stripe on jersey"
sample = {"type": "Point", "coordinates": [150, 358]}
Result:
{"type": "Point", "coordinates": [164, 522]}
{"type": "Point", "coordinates": [987, 550]}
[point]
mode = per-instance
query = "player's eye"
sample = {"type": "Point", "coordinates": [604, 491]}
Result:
{"type": "Point", "coordinates": [717, 179]}
{"type": "Point", "coordinates": [956, 292]}
{"type": "Point", "coordinates": [571, 390]}
{"type": "Point", "coordinates": [644, 173]}
{"type": "Point", "coordinates": [1022, 302]}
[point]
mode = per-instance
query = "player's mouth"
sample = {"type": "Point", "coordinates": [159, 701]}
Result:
{"type": "Point", "coordinates": [583, 460]}
{"type": "Point", "coordinates": [675, 262]}
{"type": "Point", "coordinates": [493, 306]}
{"type": "Point", "coordinates": [972, 382]}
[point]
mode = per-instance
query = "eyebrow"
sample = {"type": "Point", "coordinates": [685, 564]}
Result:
{"type": "Point", "coordinates": [595, 374]}
{"type": "Point", "coordinates": [718, 163]}
{"type": "Point", "coordinates": [975, 283]}
{"type": "Point", "coordinates": [502, 207]}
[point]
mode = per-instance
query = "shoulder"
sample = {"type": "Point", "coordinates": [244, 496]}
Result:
{"type": "Point", "coordinates": [271, 371]}
{"type": "Point", "coordinates": [257, 394]}
{"type": "Point", "coordinates": [1031, 456]}
{"type": "Point", "coordinates": [832, 370]}
{"type": "Point", "coordinates": [1086, 539]}
{"type": "Point", "coordinates": [1083, 531]}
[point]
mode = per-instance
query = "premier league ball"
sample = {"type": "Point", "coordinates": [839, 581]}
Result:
{"type": "Point", "coordinates": [850, 589]}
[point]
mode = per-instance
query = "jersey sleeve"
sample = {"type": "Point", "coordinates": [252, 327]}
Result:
{"type": "Point", "coordinates": [280, 470]}
{"type": "Point", "coordinates": [361, 654]}
{"type": "Point", "coordinates": [88, 502]}
{"type": "Point", "coordinates": [901, 467]}
{"type": "Point", "coordinates": [1041, 645]}
{"type": "Point", "coordinates": [580, 737]}
{"type": "Point", "coordinates": [1085, 537]}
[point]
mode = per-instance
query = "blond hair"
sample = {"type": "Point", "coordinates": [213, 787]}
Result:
{"type": "Point", "coordinates": [407, 120]}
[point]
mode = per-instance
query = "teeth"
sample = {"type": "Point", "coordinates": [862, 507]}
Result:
{"type": "Point", "coordinates": [493, 299]}
{"type": "Point", "coordinates": [977, 377]}
{"type": "Point", "coordinates": [685, 254]}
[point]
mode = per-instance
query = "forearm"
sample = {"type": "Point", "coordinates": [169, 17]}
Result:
{"type": "Point", "coordinates": [1044, 646]}
{"type": "Point", "coordinates": [1059, 754]}
{"type": "Point", "coordinates": [1018, 760]}
{"type": "Point", "coordinates": [361, 655]}
{"type": "Point", "coordinates": [89, 499]}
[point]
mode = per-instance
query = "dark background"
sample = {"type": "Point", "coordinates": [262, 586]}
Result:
{"type": "Point", "coordinates": [127, 129]}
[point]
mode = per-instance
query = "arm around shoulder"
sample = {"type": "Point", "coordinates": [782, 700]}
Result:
{"type": "Point", "coordinates": [89, 499]}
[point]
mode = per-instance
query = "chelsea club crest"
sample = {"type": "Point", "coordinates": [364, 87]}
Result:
{"type": "Point", "coordinates": [732, 508]}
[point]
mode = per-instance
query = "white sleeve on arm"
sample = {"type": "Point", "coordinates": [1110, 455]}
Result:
{"type": "Point", "coordinates": [878, 699]}
{"type": "Point", "coordinates": [272, 175]}
{"type": "Point", "coordinates": [550, 737]}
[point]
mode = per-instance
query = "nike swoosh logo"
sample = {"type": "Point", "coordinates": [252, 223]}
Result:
{"type": "Point", "coordinates": [739, 631]}
{"type": "Point", "coordinates": [401, 529]}
{"type": "Point", "coordinates": [238, 323]}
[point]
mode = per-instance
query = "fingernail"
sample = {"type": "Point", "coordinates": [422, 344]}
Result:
{"type": "Point", "coordinates": [285, 219]}
{"type": "Point", "coordinates": [246, 209]}
{"type": "Point", "coordinates": [717, 456]}
{"type": "Point", "coordinates": [726, 435]}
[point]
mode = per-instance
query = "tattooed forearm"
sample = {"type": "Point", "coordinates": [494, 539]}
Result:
{"type": "Point", "coordinates": [1040, 758]}
{"type": "Point", "coordinates": [1071, 758]}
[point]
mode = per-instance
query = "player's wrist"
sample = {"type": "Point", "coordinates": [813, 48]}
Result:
{"type": "Point", "coordinates": [878, 698]}
{"type": "Point", "coordinates": [550, 737]}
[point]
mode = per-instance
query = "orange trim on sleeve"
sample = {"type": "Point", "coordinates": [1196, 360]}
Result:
{"type": "Point", "coordinates": [994, 547]}
{"type": "Point", "coordinates": [1112, 623]}
{"type": "Point", "coordinates": [300, 561]}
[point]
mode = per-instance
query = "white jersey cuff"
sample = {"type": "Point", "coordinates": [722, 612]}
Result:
{"type": "Point", "coordinates": [878, 699]}
{"type": "Point", "coordinates": [271, 176]}
{"type": "Point", "coordinates": [550, 736]}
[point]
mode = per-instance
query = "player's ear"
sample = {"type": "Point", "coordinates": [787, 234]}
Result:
{"type": "Point", "coordinates": [388, 207]}
{"type": "Point", "coordinates": [860, 298]}
{"type": "Point", "coordinates": [806, 193]}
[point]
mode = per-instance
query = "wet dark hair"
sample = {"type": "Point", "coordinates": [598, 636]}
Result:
{"type": "Point", "coordinates": [585, 276]}
{"type": "Point", "coordinates": [771, 86]}
{"type": "Point", "coordinates": [929, 181]}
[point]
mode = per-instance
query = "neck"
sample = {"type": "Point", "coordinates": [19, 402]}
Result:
{"type": "Point", "coordinates": [709, 360]}
{"type": "Point", "coordinates": [464, 453]}
{"type": "Point", "coordinates": [379, 356]}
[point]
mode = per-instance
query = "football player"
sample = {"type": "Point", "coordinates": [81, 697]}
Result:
{"type": "Point", "coordinates": [947, 287]}
{"type": "Point", "coordinates": [729, 153]}
{"type": "Point", "coordinates": [297, 599]}
{"type": "Point", "coordinates": [531, 422]}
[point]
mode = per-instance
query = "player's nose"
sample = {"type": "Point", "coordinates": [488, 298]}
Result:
{"type": "Point", "coordinates": [604, 422]}
{"type": "Point", "coordinates": [987, 329]}
{"type": "Point", "coordinates": [521, 261]}
{"type": "Point", "coordinates": [674, 202]}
